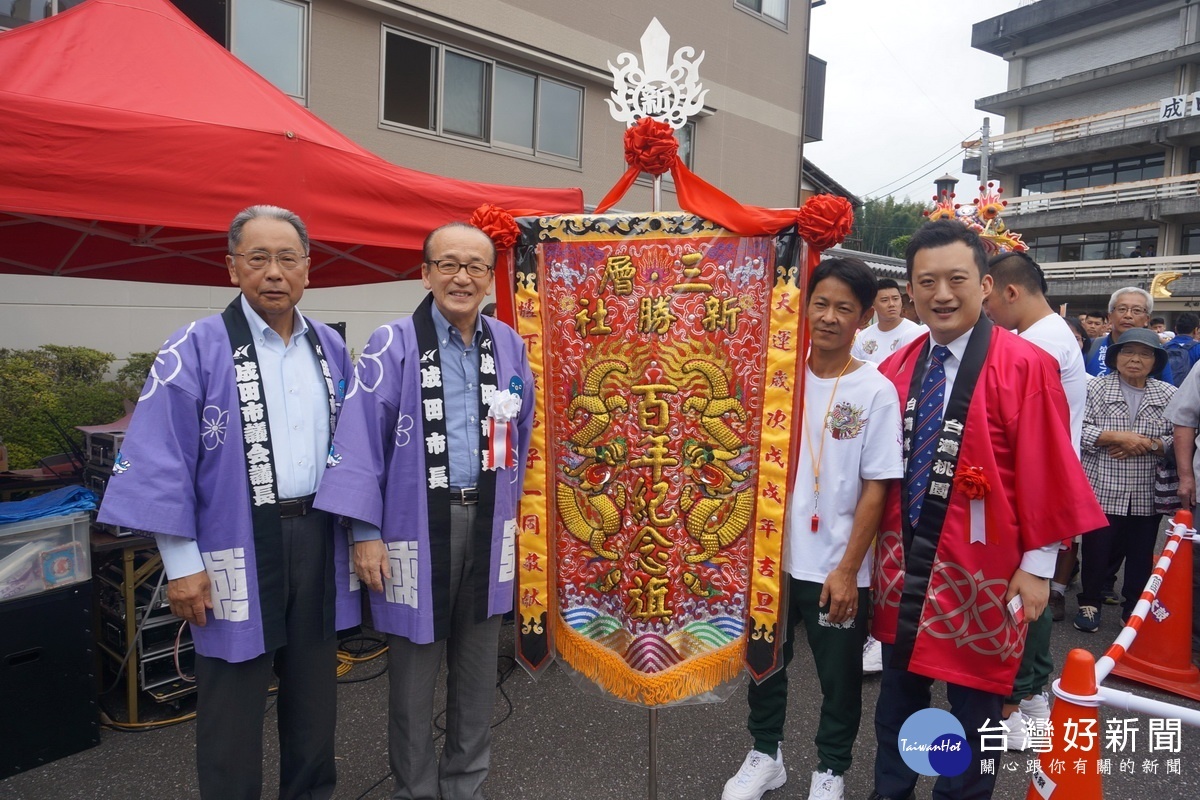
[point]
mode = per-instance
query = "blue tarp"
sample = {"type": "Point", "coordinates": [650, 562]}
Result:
{"type": "Point", "coordinates": [60, 502]}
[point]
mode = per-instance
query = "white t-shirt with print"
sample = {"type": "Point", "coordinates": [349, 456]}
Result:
{"type": "Point", "coordinates": [875, 345]}
{"type": "Point", "coordinates": [862, 441]}
{"type": "Point", "coordinates": [1053, 334]}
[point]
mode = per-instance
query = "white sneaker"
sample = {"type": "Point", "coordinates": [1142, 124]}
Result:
{"type": "Point", "coordinates": [872, 656]}
{"type": "Point", "coordinates": [759, 774]}
{"type": "Point", "coordinates": [826, 786]}
{"type": "Point", "coordinates": [1036, 707]}
{"type": "Point", "coordinates": [1017, 736]}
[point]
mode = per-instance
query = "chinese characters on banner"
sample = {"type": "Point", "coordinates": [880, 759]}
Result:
{"type": "Point", "coordinates": [664, 350]}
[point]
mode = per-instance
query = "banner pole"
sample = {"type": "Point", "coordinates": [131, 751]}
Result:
{"type": "Point", "coordinates": [655, 206]}
{"type": "Point", "coordinates": [653, 754]}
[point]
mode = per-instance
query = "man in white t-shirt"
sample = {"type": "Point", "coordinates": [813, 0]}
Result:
{"type": "Point", "coordinates": [891, 330]}
{"type": "Point", "coordinates": [1018, 302]}
{"type": "Point", "coordinates": [849, 451]}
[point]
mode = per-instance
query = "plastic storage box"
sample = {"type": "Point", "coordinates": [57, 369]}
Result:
{"type": "Point", "coordinates": [43, 554]}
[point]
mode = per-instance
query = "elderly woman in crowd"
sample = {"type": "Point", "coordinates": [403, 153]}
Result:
{"type": "Point", "coordinates": [1124, 436]}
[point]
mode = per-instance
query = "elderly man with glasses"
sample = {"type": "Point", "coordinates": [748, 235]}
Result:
{"type": "Point", "coordinates": [430, 459]}
{"type": "Point", "coordinates": [221, 462]}
{"type": "Point", "coordinates": [1128, 308]}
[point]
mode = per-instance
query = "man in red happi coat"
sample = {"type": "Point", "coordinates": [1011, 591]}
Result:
{"type": "Point", "coordinates": [992, 485]}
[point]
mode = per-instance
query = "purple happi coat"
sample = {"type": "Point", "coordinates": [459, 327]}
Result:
{"type": "Point", "coordinates": [182, 471]}
{"type": "Point", "coordinates": [381, 477]}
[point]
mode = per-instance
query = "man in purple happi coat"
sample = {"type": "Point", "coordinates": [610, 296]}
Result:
{"type": "Point", "coordinates": [430, 457]}
{"type": "Point", "coordinates": [221, 462]}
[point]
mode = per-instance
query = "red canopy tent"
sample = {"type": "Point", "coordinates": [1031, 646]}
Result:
{"type": "Point", "coordinates": [129, 138]}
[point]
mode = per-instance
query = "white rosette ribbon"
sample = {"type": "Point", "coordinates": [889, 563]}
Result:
{"type": "Point", "coordinates": [502, 431]}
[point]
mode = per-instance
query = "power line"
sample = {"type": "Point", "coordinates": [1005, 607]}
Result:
{"type": "Point", "coordinates": [926, 173]}
{"type": "Point", "coordinates": [954, 150]}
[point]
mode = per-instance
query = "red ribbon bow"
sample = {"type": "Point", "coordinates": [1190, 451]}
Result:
{"type": "Point", "coordinates": [498, 224]}
{"type": "Point", "coordinates": [651, 146]}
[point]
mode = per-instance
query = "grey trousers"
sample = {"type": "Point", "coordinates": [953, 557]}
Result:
{"type": "Point", "coordinates": [231, 698]}
{"type": "Point", "coordinates": [471, 652]}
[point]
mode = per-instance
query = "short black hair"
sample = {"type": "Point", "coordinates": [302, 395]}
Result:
{"type": "Point", "coordinates": [1074, 324]}
{"type": "Point", "coordinates": [1158, 321]}
{"type": "Point", "coordinates": [887, 283]}
{"type": "Point", "coordinates": [851, 271]}
{"type": "Point", "coordinates": [942, 232]}
{"type": "Point", "coordinates": [1100, 315]}
{"type": "Point", "coordinates": [1016, 268]}
{"type": "Point", "coordinates": [1187, 322]}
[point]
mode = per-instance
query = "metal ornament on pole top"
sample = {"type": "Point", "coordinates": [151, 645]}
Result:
{"type": "Point", "coordinates": [669, 93]}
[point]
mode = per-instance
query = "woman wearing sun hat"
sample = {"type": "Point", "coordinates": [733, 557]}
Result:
{"type": "Point", "coordinates": [1124, 436]}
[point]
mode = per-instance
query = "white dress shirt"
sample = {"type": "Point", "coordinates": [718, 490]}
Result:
{"type": "Point", "coordinates": [297, 401]}
{"type": "Point", "coordinates": [1041, 561]}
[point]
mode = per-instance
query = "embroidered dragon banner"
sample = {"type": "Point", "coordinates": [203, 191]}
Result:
{"type": "Point", "coordinates": [665, 351]}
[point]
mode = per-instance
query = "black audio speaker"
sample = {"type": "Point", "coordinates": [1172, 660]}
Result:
{"type": "Point", "coordinates": [48, 705]}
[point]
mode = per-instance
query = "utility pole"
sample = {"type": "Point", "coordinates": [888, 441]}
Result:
{"type": "Point", "coordinates": [984, 145]}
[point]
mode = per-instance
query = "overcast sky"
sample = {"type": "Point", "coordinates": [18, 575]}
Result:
{"type": "Point", "coordinates": [900, 91]}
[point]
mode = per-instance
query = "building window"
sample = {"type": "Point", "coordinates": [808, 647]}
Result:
{"type": "Point", "coordinates": [1094, 245]}
{"type": "Point", "coordinates": [465, 95]}
{"type": "Point", "coordinates": [462, 95]}
{"type": "Point", "coordinates": [269, 36]}
{"type": "Point", "coordinates": [775, 10]}
{"type": "Point", "coordinates": [21, 12]}
{"type": "Point", "coordinates": [1105, 173]}
{"type": "Point", "coordinates": [687, 143]}
{"type": "Point", "coordinates": [514, 109]}
{"type": "Point", "coordinates": [409, 99]}
{"type": "Point", "coordinates": [1191, 240]}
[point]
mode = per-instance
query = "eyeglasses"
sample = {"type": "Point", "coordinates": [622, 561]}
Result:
{"type": "Point", "coordinates": [287, 259]}
{"type": "Point", "coordinates": [475, 269]}
{"type": "Point", "coordinates": [1136, 311]}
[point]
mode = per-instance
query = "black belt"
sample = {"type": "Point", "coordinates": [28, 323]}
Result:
{"type": "Point", "coordinates": [296, 507]}
{"type": "Point", "coordinates": [464, 497]}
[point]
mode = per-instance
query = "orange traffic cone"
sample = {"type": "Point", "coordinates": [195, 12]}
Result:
{"type": "Point", "coordinates": [1057, 777]}
{"type": "Point", "coordinates": [1161, 655]}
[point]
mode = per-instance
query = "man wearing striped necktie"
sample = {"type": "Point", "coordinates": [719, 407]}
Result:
{"type": "Point", "coordinates": [991, 486]}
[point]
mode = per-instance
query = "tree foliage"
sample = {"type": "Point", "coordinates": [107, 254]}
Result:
{"type": "Point", "coordinates": [899, 245]}
{"type": "Point", "coordinates": [52, 384]}
{"type": "Point", "coordinates": [881, 221]}
{"type": "Point", "coordinates": [132, 376]}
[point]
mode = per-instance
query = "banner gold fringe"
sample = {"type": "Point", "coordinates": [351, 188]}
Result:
{"type": "Point", "coordinates": [608, 670]}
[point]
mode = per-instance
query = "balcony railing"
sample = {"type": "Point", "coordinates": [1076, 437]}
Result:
{"type": "Point", "coordinates": [1142, 269]}
{"type": "Point", "coordinates": [1070, 129]}
{"type": "Point", "coordinates": [1132, 192]}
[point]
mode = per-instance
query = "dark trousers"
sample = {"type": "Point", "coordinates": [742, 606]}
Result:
{"type": "Point", "coordinates": [1129, 537]}
{"type": "Point", "coordinates": [1036, 663]}
{"type": "Point", "coordinates": [231, 698]}
{"type": "Point", "coordinates": [838, 656]}
{"type": "Point", "coordinates": [902, 694]}
{"type": "Point", "coordinates": [471, 650]}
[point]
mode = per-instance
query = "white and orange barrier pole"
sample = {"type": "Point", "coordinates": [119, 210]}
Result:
{"type": "Point", "coordinates": [1155, 647]}
{"type": "Point", "coordinates": [1075, 717]}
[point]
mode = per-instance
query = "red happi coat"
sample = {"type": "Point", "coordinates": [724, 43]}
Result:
{"type": "Point", "coordinates": [1017, 431]}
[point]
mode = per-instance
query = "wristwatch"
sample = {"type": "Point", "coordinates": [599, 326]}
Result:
{"type": "Point", "coordinates": [1154, 445]}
